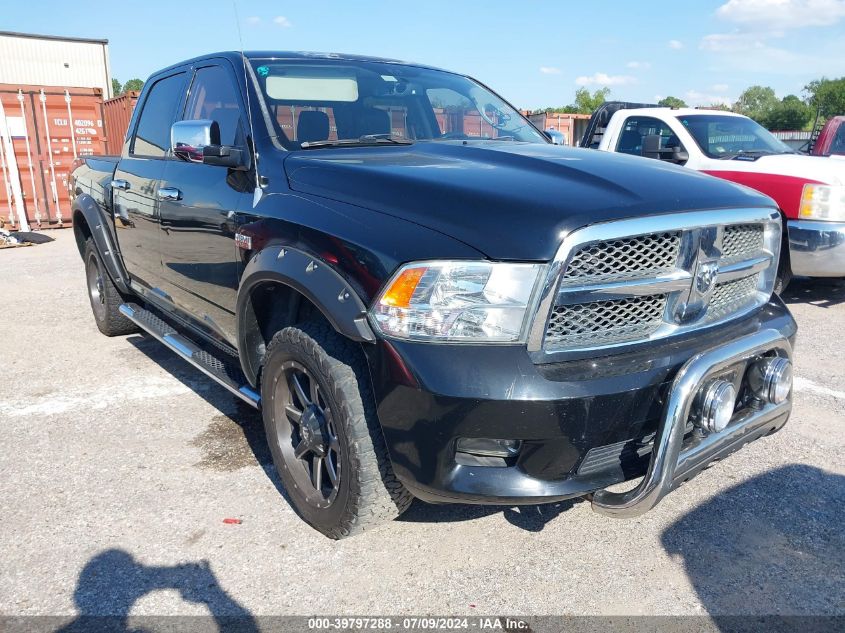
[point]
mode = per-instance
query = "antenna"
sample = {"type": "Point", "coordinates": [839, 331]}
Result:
{"type": "Point", "coordinates": [258, 190]}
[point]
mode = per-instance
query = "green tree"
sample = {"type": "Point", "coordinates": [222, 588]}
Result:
{"type": "Point", "coordinates": [133, 84]}
{"type": "Point", "coordinates": [756, 102]}
{"type": "Point", "coordinates": [585, 102]}
{"type": "Point", "coordinates": [827, 95]}
{"type": "Point", "coordinates": [790, 114]}
{"type": "Point", "coordinates": [672, 102]}
{"type": "Point", "coordinates": [116, 87]}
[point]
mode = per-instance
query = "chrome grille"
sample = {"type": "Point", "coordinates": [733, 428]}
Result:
{"type": "Point", "coordinates": [605, 322]}
{"type": "Point", "coordinates": [624, 258]}
{"type": "Point", "coordinates": [731, 296]}
{"type": "Point", "coordinates": [745, 240]}
{"type": "Point", "coordinates": [625, 282]}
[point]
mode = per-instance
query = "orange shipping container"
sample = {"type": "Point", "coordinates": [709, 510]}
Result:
{"type": "Point", "coordinates": [117, 114]}
{"type": "Point", "coordinates": [49, 127]}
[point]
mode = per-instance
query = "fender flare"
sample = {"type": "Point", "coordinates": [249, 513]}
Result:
{"type": "Point", "coordinates": [94, 217]}
{"type": "Point", "coordinates": [312, 277]}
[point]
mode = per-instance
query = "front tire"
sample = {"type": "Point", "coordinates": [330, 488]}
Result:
{"type": "Point", "coordinates": [321, 426]}
{"type": "Point", "coordinates": [104, 295]}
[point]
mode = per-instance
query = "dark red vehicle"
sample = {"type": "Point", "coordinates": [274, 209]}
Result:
{"type": "Point", "coordinates": [831, 141]}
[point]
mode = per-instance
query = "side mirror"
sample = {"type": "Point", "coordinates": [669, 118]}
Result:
{"type": "Point", "coordinates": [651, 146]}
{"type": "Point", "coordinates": [548, 136]}
{"type": "Point", "coordinates": [652, 149]}
{"type": "Point", "coordinates": [199, 142]}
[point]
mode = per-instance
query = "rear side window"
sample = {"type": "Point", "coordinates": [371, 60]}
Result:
{"type": "Point", "coordinates": [213, 97]}
{"type": "Point", "coordinates": [152, 136]}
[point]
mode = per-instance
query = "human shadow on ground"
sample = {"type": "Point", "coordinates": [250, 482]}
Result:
{"type": "Point", "coordinates": [772, 545]}
{"type": "Point", "coordinates": [112, 582]}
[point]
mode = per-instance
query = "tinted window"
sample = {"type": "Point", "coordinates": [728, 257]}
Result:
{"type": "Point", "coordinates": [152, 137]}
{"type": "Point", "coordinates": [213, 97]}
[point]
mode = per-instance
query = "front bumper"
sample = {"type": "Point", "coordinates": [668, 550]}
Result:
{"type": "Point", "coordinates": [584, 424]}
{"type": "Point", "coordinates": [817, 249]}
{"type": "Point", "coordinates": [675, 460]}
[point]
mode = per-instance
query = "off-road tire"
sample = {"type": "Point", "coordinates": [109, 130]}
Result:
{"type": "Point", "coordinates": [105, 299]}
{"type": "Point", "coordinates": [368, 492]}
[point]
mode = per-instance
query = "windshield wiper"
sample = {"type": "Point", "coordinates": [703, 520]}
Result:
{"type": "Point", "coordinates": [749, 153]}
{"type": "Point", "coordinates": [365, 140]}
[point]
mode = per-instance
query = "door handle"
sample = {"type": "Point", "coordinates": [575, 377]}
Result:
{"type": "Point", "coordinates": [120, 184]}
{"type": "Point", "coordinates": [169, 193]}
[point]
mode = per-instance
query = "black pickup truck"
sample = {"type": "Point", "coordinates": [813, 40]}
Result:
{"type": "Point", "coordinates": [428, 299]}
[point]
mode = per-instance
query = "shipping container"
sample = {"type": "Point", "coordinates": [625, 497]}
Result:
{"type": "Point", "coordinates": [42, 131]}
{"type": "Point", "coordinates": [117, 114]}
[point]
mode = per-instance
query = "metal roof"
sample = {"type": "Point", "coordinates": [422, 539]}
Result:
{"type": "Point", "coordinates": [60, 38]}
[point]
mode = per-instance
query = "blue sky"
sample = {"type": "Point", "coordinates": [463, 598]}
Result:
{"type": "Point", "coordinates": [534, 53]}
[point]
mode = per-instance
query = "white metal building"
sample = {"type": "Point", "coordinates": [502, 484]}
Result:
{"type": "Point", "coordinates": [48, 60]}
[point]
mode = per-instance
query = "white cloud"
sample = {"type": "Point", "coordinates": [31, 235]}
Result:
{"type": "Point", "coordinates": [719, 87]}
{"type": "Point", "coordinates": [675, 44]}
{"type": "Point", "coordinates": [696, 98]}
{"type": "Point", "coordinates": [731, 42]}
{"type": "Point", "coordinates": [603, 79]}
{"type": "Point", "coordinates": [638, 65]}
{"type": "Point", "coordinates": [549, 70]}
{"type": "Point", "coordinates": [782, 14]}
{"type": "Point", "coordinates": [282, 21]}
{"type": "Point", "coordinates": [253, 20]}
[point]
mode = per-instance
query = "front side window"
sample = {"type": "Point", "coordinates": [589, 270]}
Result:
{"type": "Point", "coordinates": [152, 135]}
{"type": "Point", "coordinates": [727, 137]}
{"type": "Point", "coordinates": [632, 140]}
{"type": "Point", "coordinates": [213, 97]}
{"type": "Point", "coordinates": [314, 100]}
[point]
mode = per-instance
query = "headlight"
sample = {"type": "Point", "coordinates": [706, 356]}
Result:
{"type": "Point", "coordinates": [823, 202]}
{"type": "Point", "coordinates": [457, 301]}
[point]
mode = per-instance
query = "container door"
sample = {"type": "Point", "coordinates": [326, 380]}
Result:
{"type": "Point", "coordinates": [136, 182]}
{"type": "Point", "coordinates": [199, 208]}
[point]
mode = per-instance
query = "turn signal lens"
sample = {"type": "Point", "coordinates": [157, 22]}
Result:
{"type": "Point", "coordinates": [402, 289]}
{"type": "Point", "coordinates": [822, 202]}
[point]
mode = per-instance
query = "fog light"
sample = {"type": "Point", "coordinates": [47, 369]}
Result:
{"type": "Point", "coordinates": [488, 447]}
{"type": "Point", "coordinates": [771, 379]}
{"type": "Point", "coordinates": [717, 406]}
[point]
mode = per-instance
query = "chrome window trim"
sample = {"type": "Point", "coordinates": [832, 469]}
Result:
{"type": "Point", "coordinates": [692, 224]}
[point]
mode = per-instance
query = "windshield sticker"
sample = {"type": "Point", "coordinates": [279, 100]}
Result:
{"type": "Point", "coordinates": [263, 71]}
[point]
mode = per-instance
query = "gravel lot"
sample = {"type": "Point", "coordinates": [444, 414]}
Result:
{"type": "Point", "coordinates": [119, 462]}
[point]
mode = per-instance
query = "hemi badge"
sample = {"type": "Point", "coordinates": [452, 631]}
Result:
{"type": "Point", "coordinates": [243, 241]}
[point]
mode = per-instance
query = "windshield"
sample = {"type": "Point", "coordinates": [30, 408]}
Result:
{"type": "Point", "coordinates": [721, 136]}
{"type": "Point", "coordinates": [341, 102]}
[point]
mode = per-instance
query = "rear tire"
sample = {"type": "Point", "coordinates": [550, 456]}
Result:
{"type": "Point", "coordinates": [327, 445]}
{"type": "Point", "coordinates": [104, 295]}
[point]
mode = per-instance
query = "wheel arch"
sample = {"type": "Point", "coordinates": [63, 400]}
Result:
{"type": "Point", "coordinates": [89, 221]}
{"type": "Point", "coordinates": [282, 286]}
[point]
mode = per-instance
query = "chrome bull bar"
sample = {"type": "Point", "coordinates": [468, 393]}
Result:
{"type": "Point", "coordinates": [671, 462]}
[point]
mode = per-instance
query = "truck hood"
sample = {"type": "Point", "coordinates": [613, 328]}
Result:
{"type": "Point", "coordinates": [816, 169]}
{"type": "Point", "coordinates": [508, 200]}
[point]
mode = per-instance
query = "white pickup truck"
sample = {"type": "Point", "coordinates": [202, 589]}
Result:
{"type": "Point", "coordinates": [809, 190]}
